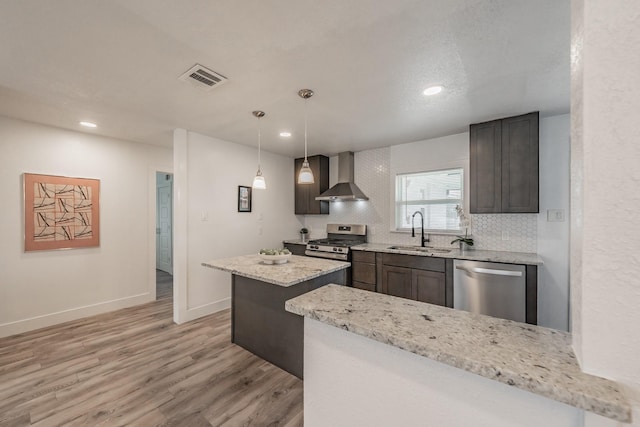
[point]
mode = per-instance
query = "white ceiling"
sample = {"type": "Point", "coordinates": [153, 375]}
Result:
{"type": "Point", "coordinates": [117, 63]}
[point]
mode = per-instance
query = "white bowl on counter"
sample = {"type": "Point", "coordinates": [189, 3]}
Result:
{"type": "Point", "coordinates": [275, 259]}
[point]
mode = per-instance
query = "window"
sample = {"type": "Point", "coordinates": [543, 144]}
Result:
{"type": "Point", "coordinates": [435, 194]}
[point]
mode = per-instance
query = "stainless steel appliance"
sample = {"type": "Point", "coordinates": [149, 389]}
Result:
{"type": "Point", "coordinates": [490, 288]}
{"type": "Point", "coordinates": [346, 189]}
{"type": "Point", "coordinates": [339, 238]}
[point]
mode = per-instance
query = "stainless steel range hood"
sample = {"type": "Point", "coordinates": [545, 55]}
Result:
{"type": "Point", "coordinates": [345, 189]}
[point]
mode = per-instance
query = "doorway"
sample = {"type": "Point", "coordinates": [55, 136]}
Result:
{"type": "Point", "coordinates": [164, 235]}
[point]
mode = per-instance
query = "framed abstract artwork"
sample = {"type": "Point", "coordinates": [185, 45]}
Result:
{"type": "Point", "coordinates": [244, 198]}
{"type": "Point", "coordinates": [60, 212]}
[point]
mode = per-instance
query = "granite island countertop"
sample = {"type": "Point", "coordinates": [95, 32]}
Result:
{"type": "Point", "coordinates": [532, 358]}
{"type": "Point", "coordinates": [473, 254]}
{"type": "Point", "coordinates": [297, 270]}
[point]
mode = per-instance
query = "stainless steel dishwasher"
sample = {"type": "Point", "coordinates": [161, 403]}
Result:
{"type": "Point", "coordinates": [490, 288]}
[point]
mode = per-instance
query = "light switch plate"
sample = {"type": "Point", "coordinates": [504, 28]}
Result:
{"type": "Point", "coordinates": [555, 215]}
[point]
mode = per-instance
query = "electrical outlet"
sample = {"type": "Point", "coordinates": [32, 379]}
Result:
{"type": "Point", "coordinates": [204, 216]}
{"type": "Point", "coordinates": [505, 235]}
{"type": "Point", "coordinates": [555, 215]}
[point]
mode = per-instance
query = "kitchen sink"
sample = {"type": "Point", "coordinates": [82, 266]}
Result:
{"type": "Point", "coordinates": [421, 249]}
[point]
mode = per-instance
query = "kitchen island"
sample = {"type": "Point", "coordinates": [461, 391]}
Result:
{"type": "Point", "coordinates": [373, 359]}
{"type": "Point", "coordinates": [259, 321]}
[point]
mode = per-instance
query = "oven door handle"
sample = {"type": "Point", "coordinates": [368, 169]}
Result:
{"type": "Point", "coordinates": [329, 255]}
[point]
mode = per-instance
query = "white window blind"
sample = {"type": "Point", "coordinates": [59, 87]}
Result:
{"type": "Point", "coordinates": [435, 194]}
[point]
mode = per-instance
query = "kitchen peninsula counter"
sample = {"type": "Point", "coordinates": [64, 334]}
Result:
{"type": "Point", "coordinates": [259, 321]}
{"type": "Point", "coordinates": [538, 360]}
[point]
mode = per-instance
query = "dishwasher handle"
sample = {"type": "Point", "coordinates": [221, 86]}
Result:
{"type": "Point", "coordinates": [490, 271]}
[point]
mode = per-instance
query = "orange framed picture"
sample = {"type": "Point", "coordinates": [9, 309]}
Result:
{"type": "Point", "coordinates": [60, 212]}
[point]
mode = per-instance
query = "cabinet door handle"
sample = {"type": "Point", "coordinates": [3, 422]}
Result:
{"type": "Point", "coordinates": [490, 271]}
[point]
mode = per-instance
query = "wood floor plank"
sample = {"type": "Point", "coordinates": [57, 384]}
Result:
{"type": "Point", "coordinates": [136, 367]}
{"type": "Point", "coordinates": [37, 395]}
{"type": "Point", "coordinates": [123, 411]}
{"type": "Point", "coordinates": [9, 359]}
{"type": "Point", "coordinates": [257, 405]}
{"type": "Point", "coordinates": [22, 420]}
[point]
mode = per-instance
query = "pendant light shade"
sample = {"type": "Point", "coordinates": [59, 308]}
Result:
{"type": "Point", "coordinates": [259, 182]}
{"type": "Point", "coordinates": [306, 174]}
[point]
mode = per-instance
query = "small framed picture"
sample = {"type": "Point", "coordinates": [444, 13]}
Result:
{"type": "Point", "coordinates": [244, 198]}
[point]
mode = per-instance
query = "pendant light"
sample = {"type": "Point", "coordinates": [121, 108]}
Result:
{"type": "Point", "coordinates": [258, 181]}
{"type": "Point", "coordinates": [306, 175]}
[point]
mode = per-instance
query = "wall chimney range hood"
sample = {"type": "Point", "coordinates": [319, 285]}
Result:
{"type": "Point", "coordinates": [345, 189]}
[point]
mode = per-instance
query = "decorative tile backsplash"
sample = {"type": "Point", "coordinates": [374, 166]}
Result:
{"type": "Point", "coordinates": [506, 232]}
{"type": "Point", "coordinates": [372, 174]}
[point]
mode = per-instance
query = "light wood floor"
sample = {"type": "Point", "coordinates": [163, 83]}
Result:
{"type": "Point", "coordinates": [136, 367]}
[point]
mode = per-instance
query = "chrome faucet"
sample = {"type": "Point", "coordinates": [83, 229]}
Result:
{"type": "Point", "coordinates": [413, 229]}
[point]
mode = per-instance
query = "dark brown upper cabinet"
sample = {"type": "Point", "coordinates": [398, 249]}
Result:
{"type": "Point", "coordinates": [305, 194]}
{"type": "Point", "coordinates": [504, 170]}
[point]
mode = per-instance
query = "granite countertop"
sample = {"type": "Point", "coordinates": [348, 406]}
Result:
{"type": "Point", "coordinates": [532, 358]}
{"type": "Point", "coordinates": [297, 270]}
{"type": "Point", "coordinates": [295, 242]}
{"type": "Point", "coordinates": [473, 254]}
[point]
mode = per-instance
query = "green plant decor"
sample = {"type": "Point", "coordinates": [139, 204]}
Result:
{"type": "Point", "coordinates": [464, 239]}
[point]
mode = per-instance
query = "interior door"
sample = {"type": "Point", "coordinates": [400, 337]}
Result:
{"type": "Point", "coordinates": [164, 239]}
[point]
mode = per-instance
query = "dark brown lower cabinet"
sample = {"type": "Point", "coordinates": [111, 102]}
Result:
{"type": "Point", "coordinates": [418, 285]}
{"type": "Point", "coordinates": [415, 277]}
{"type": "Point", "coordinates": [419, 278]}
{"type": "Point", "coordinates": [429, 286]}
{"type": "Point", "coordinates": [363, 270]}
{"type": "Point", "coordinates": [363, 286]}
{"type": "Point", "coordinates": [397, 281]}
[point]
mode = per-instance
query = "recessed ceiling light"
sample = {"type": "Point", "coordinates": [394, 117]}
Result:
{"type": "Point", "coordinates": [433, 90]}
{"type": "Point", "coordinates": [89, 124]}
{"type": "Point", "coordinates": [285, 134]}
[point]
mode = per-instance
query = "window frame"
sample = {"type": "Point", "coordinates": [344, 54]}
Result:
{"type": "Point", "coordinates": [462, 200]}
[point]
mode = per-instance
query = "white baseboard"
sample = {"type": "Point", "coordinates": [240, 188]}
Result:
{"type": "Point", "coordinates": [204, 310]}
{"type": "Point", "coordinates": [26, 325]}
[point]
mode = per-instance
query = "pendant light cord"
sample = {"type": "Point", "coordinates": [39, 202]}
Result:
{"type": "Point", "coordinates": [259, 143]}
{"type": "Point", "coordinates": [305, 129]}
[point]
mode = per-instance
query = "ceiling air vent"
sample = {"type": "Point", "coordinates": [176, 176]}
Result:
{"type": "Point", "coordinates": [203, 77]}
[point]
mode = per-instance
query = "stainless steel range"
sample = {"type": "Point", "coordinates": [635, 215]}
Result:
{"type": "Point", "coordinates": [340, 237]}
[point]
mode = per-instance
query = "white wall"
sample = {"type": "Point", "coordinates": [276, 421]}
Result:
{"type": "Point", "coordinates": [207, 224]}
{"type": "Point", "coordinates": [350, 380]}
{"type": "Point", "coordinates": [553, 236]}
{"type": "Point", "coordinates": [605, 265]}
{"type": "Point", "coordinates": [42, 288]}
{"type": "Point", "coordinates": [375, 172]}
